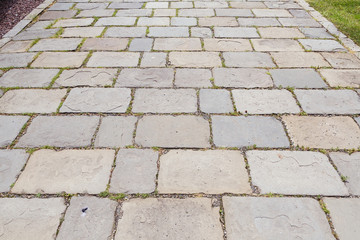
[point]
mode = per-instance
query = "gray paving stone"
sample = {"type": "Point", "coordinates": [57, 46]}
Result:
{"type": "Point", "coordinates": [141, 44]}
{"type": "Point", "coordinates": [276, 45]}
{"type": "Point", "coordinates": [71, 171]}
{"type": "Point", "coordinates": [11, 163]}
{"type": "Point", "coordinates": [196, 13]}
{"type": "Point", "coordinates": [316, 33]}
{"type": "Point", "coordinates": [215, 101]}
{"type": "Point", "coordinates": [211, 5]}
{"type": "Point", "coordinates": [183, 21]}
{"type": "Point", "coordinates": [67, 44]}
{"type": "Point", "coordinates": [341, 78]}
{"type": "Point", "coordinates": [323, 132]}
{"type": "Point", "coordinates": [10, 126]}
{"type": "Point", "coordinates": [35, 34]}
{"type": "Point", "coordinates": [96, 13]}
{"type": "Point", "coordinates": [81, 22]}
{"type": "Point", "coordinates": [60, 60]}
{"type": "Point", "coordinates": [194, 59]}
{"type": "Point", "coordinates": [153, 21]}
{"type": "Point", "coordinates": [299, 22]}
{"type": "Point", "coordinates": [218, 21]}
{"type": "Point", "coordinates": [28, 77]}
{"type": "Point", "coordinates": [259, 22]}
{"type": "Point", "coordinates": [271, 13]}
{"type": "Point", "coordinates": [181, 5]}
{"type": "Point", "coordinates": [90, 6]}
{"type": "Point", "coordinates": [114, 59]}
{"type": "Point", "coordinates": [110, 100]}
{"type": "Point", "coordinates": [60, 131]}
{"type": "Point", "coordinates": [53, 15]}
{"type": "Point", "coordinates": [15, 59]}
{"type": "Point", "coordinates": [105, 44]}
{"type": "Point", "coordinates": [165, 101]}
{"type": "Point", "coordinates": [60, 6]}
{"type": "Point", "coordinates": [157, 5]}
{"type": "Point", "coordinates": [233, 12]}
{"type": "Point", "coordinates": [126, 32]}
{"type": "Point", "coordinates": [342, 60]}
{"type": "Point", "coordinates": [248, 59]}
{"type": "Point", "coordinates": [247, 5]}
{"type": "Point", "coordinates": [168, 32]}
{"type": "Point", "coordinates": [348, 166]}
{"type": "Point", "coordinates": [86, 77]}
{"type": "Point", "coordinates": [116, 131]}
{"type": "Point", "coordinates": [236, 45]}
{"type": "Point", "coordinates": [134, 13]}
{"type": "Point", "coordinates": [196, 78]}
{"type": "Point", "coordinates": [229, 131]}
{"type": "Point", "coordinates": [294, 172]}
{"type": "Point", "coordinates": [241, 77]}
{"type": "Point", "coordinates": [299, 59]}
{"type": "Point", "coordinates": [173, 132]}
{"type": "Point", "coordinates": [280, 32]}
{"type": "Point", "coordinates": [282, 5]}
{"type": "Point", "coordinates": [148, 77]}
{"type": "Point", "coordinates": [179, 44]}
{"type": "Point", "coordinates": [344, 215]}
{"type": "Point", "coordinates": [79, 225]}
{"type": "Point", "coordinates": [135, 171]}
{"type": "Point", "coordinates": [235, 32]}
{"type": "Point", "coordinates": [153, 59]}
{"type": "Point", "coordinates": [126, 5]}
{"type": "Point", "coordinates": [201, 32]}
{"type": "Point", "coordinates": [30, 218]}
{"type": "Point", "coordinates": [16, 46]}
{"type": "Point", "coordinates": [322, 45]}
{"type": "Point", "coordinates": [82, 32]}
{"type": "Point", "coordinates": [31, 101]}
{"type": "Point", "coordinates": [300, 13]}
{"type": "Point", "coordinates": [116, 21]}
{"type": "Point", "coordinates": [212, 172]}
{"type": "Point", "coordinates": [297, 78]}
{"type": "Point", "coordinates": [275, 218]}
{"type": "Point", "coordinates": [164, 12]}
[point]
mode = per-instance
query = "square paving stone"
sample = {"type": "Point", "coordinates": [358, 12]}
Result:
{"type": "Point", "coordinates": [153, 59]}
{"type": "Point", "coordinates": [229, 131]}
{"type": "Point", "coordinates": [116, 131]}
{"type": "Point", "coordinates": [179, 44]}
{"type": "Point", "coordinates": [168, 218]}
{"type": "Point", "coordinates": [15, 59]}
{"type": "Point", "coordinates": [126, 32]}
{"type": "Point", "coordinates": [168, 32]}
{"type": "Point", "coordinates": [316, 33]}
{"type": "Point", "coordinates": [258, 22]}
{"type": "Point", "coordinates": [342, 60]}
{"type": "Point", "coordinates": [147, 77]}
{"type": "Point", "coordinates": [242, 77]}
{"type": "Point", "coordinates": [141, 44]}
{"type": "Point", "coordinates": [11, 163]}
{"type": "Point", "coordinates": [344, 214]}
{"type": "Point", "coordinates": [235, 32]}
{"type": "Point", "coordinates": [195, 59]}
{"type": "Point", "coordinates": [265, 101]}
{"type": "Point", "coordinates": [322, 45]}
{"type": "Point", "coordinates": [297, 78]}
{"type": "Point", "coordinates": [215, 101]}
{"type": "Point", "coordinates": [95, 223]}
{"type": "Point", "coordinates": [348, 166]}
{"type": "Point", "coordinates": [275, 218]}
{"type": "Point", "coordinates": [276, 45]}
{"type": "Point", "coordinates": [10, 126]}
{"type": "Point", "coordinates": [279, 32]}
{"type": "Point", "coordinates": [116, 21]}
{"type": "Point", "coordinates": [165, 101]}
{"type": "Point", "coordinates": [299, 59]}
{"type": "Point", "coordinates": [31, 101]}
{"type": "Point", "coordinates": [329, 101]}
{"type": "Point", "coordinates": [110, 100]}
{"type": "Point", "coordinates": [70, 171]}
{"type": "Point", "coordinates": [248, 59]}
{"type": "Point", "coordinates": [60, 131]}
{"type": "Point", "coordinates": [60, 60]}
{"type": "Point", "coordinates": [114, 59]}
{"type": "Point", "coordinates": [189, 77]}
{"type": "Point", "coordinates": [81, 22]}
{"type": "Point", "coordinates": [105, 44]}
{"type": "Point", "coordinates": [323, 132]}
{"type": "Point", "coordinates": [222, 45]}
{"type": "Point", "coordinates": [210, 172]}
{"type": "Point", "coordinates": [341, 78]}
{"type": "Point", "coordinates": [294, 173]}
{"type": "Point", "coordinates": [28, 77]}
{"type": "Point", "coordinates": [30, 218]}
{"type": "Point", "coordinates": [173, 132]}
{"type": "Point", "coordinates": [16, 46]}
{"type": "Point", "coordinates": [83, 32]}
{"type": "Point", "coordinates": [135, 171]}
{"type": "Point", "coordinates": [202, 32]}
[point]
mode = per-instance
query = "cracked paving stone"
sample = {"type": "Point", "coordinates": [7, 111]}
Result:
{"type": "Point", "coordinates": [297, 78]}
{"type": "Point", "coordinates": [10, 127]}
{"type": "Point", "coordinates": [248, 59]}
{"type": "Point", "coordinates": [195, 59]}
{"type": "Point", "coordinates": [197, 78]}
{"type": "Point", "coordinates": [147, 77]}
{"type": "Point", "coordinates": [60, 60]}
{"type": "Point", "coordinates": [15, 59]}
{"type": "Point", "coordinates": [114, 59]}
{"type": "Point", "coordinates": [70, 171]}
{"type": "Point", "coordinates": [28, 77]}
{"type": "Point", "coordinates": [215, 101]}
{"type": "Point", "coordinates": [341, 78]}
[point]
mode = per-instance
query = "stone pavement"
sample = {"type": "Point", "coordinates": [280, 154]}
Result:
{"type": "Point", "coordinates": [168, 119]}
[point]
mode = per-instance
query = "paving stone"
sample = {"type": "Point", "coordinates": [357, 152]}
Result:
{"type": "Point", "coordinates": [164, 12]}
{"type": "Point", "coordinates": [241, 77]}
{"type": "Point", "coordinates": [83, 22]}
{"type": "Point", "coordinates": [126, 5]}
{"type": "Point", "coordinates": [105, 44]}
{"type": "Point", "coordinates": [316, 33]}
{"type": "Point", "coordinates": [173, 132]}
{"type": "Point", "coordinates": [89, 6]}
{"type": "Point", "coordinates": [113, 59]}
{"type": "Point", "coordinates": [95, 223]}
{"type": "Point", "coordinates": [282, 5]}
{"type": "Point", "coordinates": [247, 5]}
{"type": "Point", "coordinates": [116, 21]}
{"type": "Point", "coordinates": [180, 44]}
{"type": "Point", "coordinates": [53, 15]}
{"type": "Point", "coordinates": [165, 101]}
{"type": "Point", "coordinates": [329, 101]}
{"type": "Point", "coordinates": [141, 44]}
{"type": "Point", "coordinates": [299, 59]}
{"type": "Point", "coordinates": [299, 22]}
{"type": "Point", "coordinates": [345, 216]}
{"type": "Point", "coordinates": [11, 163]}
{"type": "Point", "coordinates": [259, 22]}
{"type": "Point", "coordinates": [294, 172]}
{"type": "Point", "coordinates": [153, 21]}
{"type": "Point", "coordinates": [10, 126]}
{"type": "Point", "coordinates": [201, 32]}
{"type": "Point", "coordinates": [31, 101]}
{"type": "Point", "coordinates": [59, 6]}
{"type": "Point", "coordinates": [211, 5]}
{"type": "Point", "coordinates": [237, 45]}
{"type": "Point", "coordinates": [134, 13]}
{"type": "Point", "coordinates": [194, 59]}
{"type": "Point", "coordinates": [110, 100]}
{"type": "Point", "coordinates": [168, 218]}
{"type": "Point", "coordinates": [83, 32]}
{"type": "Point", "coordinates": [60, 131]}
{"type": "Point", "coordinates": [271, 13]}
{"type": "Point", "coordinates": [35, 34]}
{"type": "Point", "coordinates": [276, 45]}
{"type": "Point", "coordinates": [135, 171]}
{"type": "Point", "coordinates": [342, 60]}
{"type": "Point", "coordinates": [322, 45]}
{"type": "Point", "coordinates": [153, 59]}
{"type": "Point", "coordinates": [196, 13]}
{"type": "Point", "coordinates": [96, 13]}
{"type": "Point", "coordinates": [86, 77]}
{"type": "Point", "coordinates": [183, 21]}
{"type": "Point", "coordinates": [71, 171]}
{"type": "Point", "coordinates": [168, 32]}
{"type": "Point", "coordinates": [16, 46]}
{"type": "Point", "coordinates": [126, 32]}
{"type": "Point", "coordinates": [209, 172]}
{"type": "Point", "coordinates": [229, 131]}
{"type": "Point", "coordinates": [67, 44]}
{"type": "Point", "coordinates": [264, 101]}
{"type": "Point", "coordinates": [218, 21]}
{"type": "Point", "coordinates": [60, 59]}
{"type": "Point", "coordinates": [157, 5]}
{"type": "Point", "coordinates": [196, 78]}
{"type": "Point", "coordinates": [248, 59]}
{"type": "Point", "coordinates": [341, 78]}
{"type": "Point", "coordinates": [15, 59]}
{"type": "Point", "coordinates": [148, 77]}
{"type": "Point", "coordinates": [278, 32]}
{"type": "Point", "coordinates": [235, 32]}
{"type": "Point", "coordinates": [215, 101]}
{"type": "Point", "coordinates": [181, 5]}
{"type": "Point", "coordinates": [39, 25]}
{"type": "Point", "coordinates": [275, 218]}
{"type": "Point", "coordinates": [297, 78]}
{"type": "Point", "coordinates": [300, 13]}
{"type": "Point", "coordinates": [323, 132]}
{"type": "Point", "coordinates": [28, 77]}
{"type": "Point", "coordinates": [232, 12]}
{"type": "Point", "coordinates": [30, 218]}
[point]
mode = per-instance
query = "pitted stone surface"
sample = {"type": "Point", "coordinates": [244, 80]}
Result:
{"type": "Point", "coordinates": [215, 101]}
{"type": "Point", "coordinates": [10, 127]}
{"type": "Point", "coordinates": [148, 77]}
{"type": "Point", "coordinates": [91, 77]}
{"type": "Point", "coordinates": [341, 78]}
{"type": "Point", "coordinates": [11, 163]}
{"type": "Point", "coordinates": [28, 77]}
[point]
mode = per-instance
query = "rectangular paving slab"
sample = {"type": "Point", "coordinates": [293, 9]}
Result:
{"type": "Point", "coordinates": [297, 78]}
{"type": "Point", "coordinates": [341, 78]}
{"type": "Point", "coordinates": [15, 59]}
{"type": "Point", "coordinates": [248, 59]}
{"type": "Point", "coordinates": [10, 127]}
{"type": "Point", "coordinates": [28, 77]}
{"type": "Point", "coordinates": [190, 77]}
{"type": "Point", "coordinates": [68, 44]}
{"type": "Point", "coordinates": [60, 60]}
{"type": "Point", "coordinates": [194, 59]}
{"type": "Point", "coordinates": [113, 59]}
{"type": "Point", "coordinates": [147, 77]}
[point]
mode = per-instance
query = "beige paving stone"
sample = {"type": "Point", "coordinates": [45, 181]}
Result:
{"type": "Point", "coordinates": [179, 44]}
{"type": "Point", "coordinates": [195, 59]}
{"type": "Point", "coordinates": [279, 32]}
{"type": "Point", "coordinates": [188, 77]}
{"type": "Point", "coordinates": [342, 60]}
{"type": "Point", "coordinates": [60, 60]}
{"type": "Point", "coordinates": [233, 12]}
{"type": "Point", "coordinates": [218, 21]}
{"type": "Point", "coordinates": [157, 5]}
{"type": "Point", "coordinates": [173, 132]}
{"type": "Point", "coordinates": [212, 172]}
{"type": "Point", "coordinates": [231, 45]}
{"type": "Point", "coordinates": [153, 59]}
{"type": "Point", "coordinates": [164, 12]}
{"type": "Point", "coordinates": [125, 32]}
{"type": "Point", "coordinates": [16, 46]}
{"type": "Point", "coordinates": [71, 171]}
{"type": "Point", "coordinates": [105, 44]}
{"type": "Point", "coordinates": [83, 32]}
{"type": "Point", "coordinates": [299, 59]}
{"type": "Point", "coordinates": [168, 218]}
{"type": "Point", "coordinates": [147, 77]}
{"type": "Point", "coordinates": [114, 59]}
{"type": "Point", "coordinates": [82, 22]}
{"type": "Point", "coordinates": [323, 132]}
{"type": "Point", "coordinates": [15, 59]}
{"type": "Point", "coordinates": [235, 32]}
{"type": "Point", "coordinates": [276, 45]}
{"type": "Point", "coordinates": [341, 78]}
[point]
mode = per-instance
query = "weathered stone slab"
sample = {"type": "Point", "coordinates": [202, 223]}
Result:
{"type": "Point", "coordinates": [215, 101]}
{"type": "Point", "coordinates": [235, 32]}
{"type": "Point", "coordinates": [179, 44]}
{"type": "Point", "coordinates": [183, 21]}
{"type": "Point", "coordinates": [299, 59]}
{"type": "Point", "coordinates": [126, 5]}
{"type": "Point", "coordinates": [276, 45]}
{"type": "Point", "coordinates": [211, 5]}
{"type": "Point", "coordinates": [299, 22]}
{"type": "Point", "coordinates": [153, 21]}
{"type": "Point", "coordinates": [16, 46]}
{"type": "Point", "coordinates": [126, 32]}
{"type": "Point", "coordinates": [116, 21]}
{"type": "Point", "coordinates": [83, 32]}
{"type": "Point", "coordinates": [141, 44]}
{"type": "Point", "coordinates": [53, 15]}
{"type": "Point", "coordinates": [195, 59]}
{"type": "Point", "coordinates": [279, 32]}
{"type": "Point", "coordinates": [164, 12]}
{"type": "Point", "coordinates": [153, 59]}
{"type": "Point", "coordinates": [114, 59]}
{"type": "Point", "coordinates": [196, 13]}
{"type": "Point", "coordinates": [134, 13]}
{"type": "Point", "coordinates": [89, 6]}
{"type": "Point", "coordinates": [188, 77]}
{"type": "Point", "coordinates": [231, 45]}
{"type": "Point", "coordinates": [11, 163]}
{"type": "Point", "coordinates": [322, 45]}
{"type": "Point", "coordinates": [60, 60]}
{"type": "Point", "coordinates": [258, 22]}
{"type": "Point", "coordinates": [35, 34]}
{"type": "Point", "coordinates": [86, 77]}
{"type": "Point", "coordinates": [15, 59]}
{"type": "Point", "coordinates": [271, 13]}
{"type": "Point", "coordinates": [105, 44]}
{"type": "Point", "coordinates": [316, 33]}
{"type": "Point", "coordinates": [157, 5]}
{"type": "Point", "coordinates": [80, 22]}
{"type": "Point", "coordinates": [248, 59]}
{"type": "Point", "coordinates": [148, 77]}
{"type": "Point", "coordinates": [202, 32]}
{"type": "Point", "coordinates": [168, 32]}
{"type": "Point", "coordinates": [218, 21]}
{"type": "Point", "coordinates": [247, 5]}
{"type": "Point", "coordinates": [96, 13]}
{"type": "Point", "coordinates": [28, 77]}
{"type": "Point", "coordinates": [60, 6]}
{"type": "Point", "coordinates": [342, 60]}
{"type": "Point", "coordinates": [297, 78]}
{"type": "Point", "coordinates": [10, 126]}
{"type": "Point", "coordinates": [233, 12]}
{"type": "Point", "coordinates": [341, 78]}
